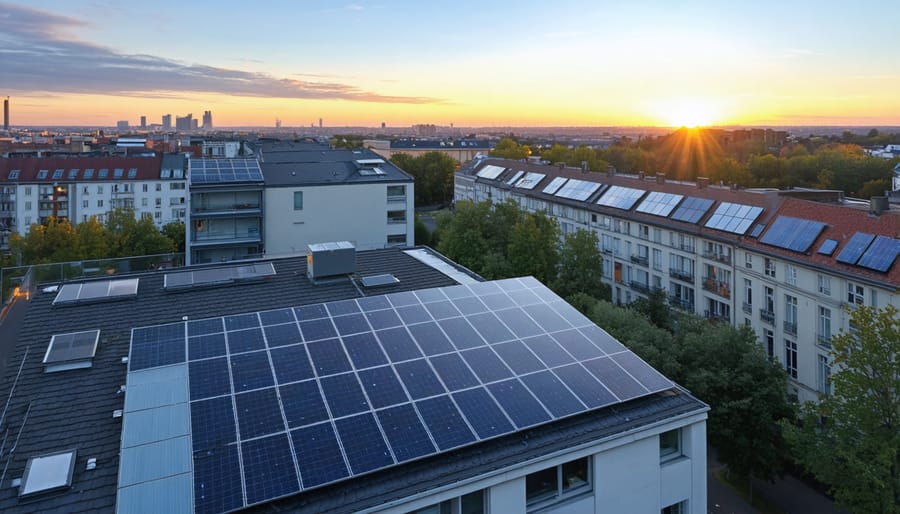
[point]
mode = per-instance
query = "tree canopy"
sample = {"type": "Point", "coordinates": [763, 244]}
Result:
{"type": "Point", "coordinates": [433, 173]}
{"type": "Point", "coordinates": [851, 440]}
{"type": "Point", "coordinates": [509, 148]}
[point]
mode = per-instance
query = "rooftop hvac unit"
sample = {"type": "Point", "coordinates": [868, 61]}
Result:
{"type": "Point", "coordinates": [330, 259]}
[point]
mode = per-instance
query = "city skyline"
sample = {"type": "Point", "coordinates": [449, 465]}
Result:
{"type": "Point", "coordinates": [503, 64]}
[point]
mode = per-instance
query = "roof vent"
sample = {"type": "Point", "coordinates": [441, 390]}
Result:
{"type": "Point", "coordinates": [379, 280]}
{"type": "Point", "coordinates": [702, 182]}
{"type": "Point", "coordinates": [330, 259]}
{"type": "Point", "coordinates": [878, 204]}
{"type": "Point", "coordinates": [641, 175]}
{"type": "Point", "coordinates": [47, 473]}
{"type": "Point", "coordinates": [71, 351]}
{"type": "Point", "coordinates": [660, 178]}
{"type": "Point", "coordinates": [91, 464]}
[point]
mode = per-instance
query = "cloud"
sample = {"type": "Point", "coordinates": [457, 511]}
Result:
{"type": "Point", "coordinates": [38, 54]}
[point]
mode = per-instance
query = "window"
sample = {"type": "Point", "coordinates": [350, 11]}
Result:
{"type": "Point", "coordinates": [472, 503]}
{"type": "Point", "coordinates": [89, 173]}
{"type": "Point", "coordinates": [396, 216]}
{"type": "Point", "coordinates": [103, 173]}
{"type": "Point", "coordinates": [157, 215]}
{"type": "Point", "coordinates": [824, 375]}
{"type": "Point", "coordinates": [558, 483]}
{"type": "Point", "coordinates": [42, 174]}
{"type": "Point", "coordinates": [824, 331]}
{"type": "Point", "coordinates": [132, 172]}
{"type": "Point", "coordinates": [675, 508]}
{"type": "Point", "coordinates": [298, 200]}
{"type": "Point", "coordinates": [855, 294]}
{"type": "Point", "coordinates": [396, 239]}
{"type": "Point", "coordinates": [770, 268]}
{"type": "Point", "coordinates": [159, 202]}
{"type": "Point", "coordinates": [175, 186]}
{"type": "Point", "coordinates": [159, 187]}
{"type": "Point", "coordinates": [790, 314]}
{"type": "Point", "coordinates": [825, 285]}
{"type": "Point", "coordinates": [643, 232]}
{"type": "Point", "coordinates": [790, 274]}
{"type": "Point", "coordinates": [396, 192]}
{"type": "Point", "coordinates": [13, 174]}
{"type": "Point", "coordinates": [144, 202]}
{"type": "Point", "coordinates": [27, 206]}
{"type": "Point", "coordinates": [790, 357]}
{"type": "Point", "coordinates": [657, 235]}
{"type": "Point", "coordinates": [748, 292]}
{"type": "Point", "coordinates": [770, 342]}
{"type": "Point", "coordinates": [100, 190]}
{"type": "Point", "coordinates": [748, 261]}
{"type": "Point", "coordinates": [57, 174]}
{"type": "Point", "coordinates": [28, 191]}
{"type": "Point", "coordinates": [84, 203]}
{"type": "Point", "coordinates": [657, 259]}
{"type": "Point", "coordinates": [117, 173]}
{"type": "Point", "coordinates": [670, 445]}
{"type": "Point", "coordinates": [100, 203]}
{"type": "Point", "coordinates": [145, 187]}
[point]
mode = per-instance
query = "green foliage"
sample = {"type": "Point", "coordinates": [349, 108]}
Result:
{"type": "Point", "coordinates": [856, 447]}
{"type": "Point", "coordinates": [422, 234]}
{"type": "Point", "coordinates": [350, 141]}
{"type": "Point", "coordinates": [533, 247]}
{"type": "Point", "coordinates": [508, 148]}
{"type": "Point", "coordinates": [92, 239]}
{"type": "Point", "coordinates": [175, 231]}
{"type": "Point", "coordinates": [433, 173]}
{"type": "Point", "coordinates": [55, 241]}
{"type": "Point", "coordinates": [656, 308]}
{"type": "Point", "coordinates": [581, 266]}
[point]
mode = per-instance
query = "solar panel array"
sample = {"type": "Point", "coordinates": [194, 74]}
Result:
{"type": "Point", "coordinates": [217, 276]}
{"type": "Point", "coordinates": [576, 189]}
{"type": "Point", "coordinates": [854, 248]}
{"type": "Point", "coordinates": [692, 209]}
{"type": "Point", "coordinates": [881, 254]}
{"type": "Point", "coordinates": [96, 291]}
{"type": "Point", "coordinates": [554, 185]}
{"type": "Point", "coordinates": [516, 176]}
{"type": "Point", "coordinates": [827, 247]}
{"type": "Point", "coordinates": [530, 180]}
{"type": "Point", "coordinates": [490, 171]}
{"type": "Point", "coordinates": [620, 197]}
{"type": "Point", "coordinates": [792, 233]}
{"type": "Point", "coordinates": [217, 171]}
{"type": "Point", "coordinates": [292, 399]}
{"type": "Point", "coordinates": [733, 217]}
{"type": "Point", "coordinates": [659, 204]}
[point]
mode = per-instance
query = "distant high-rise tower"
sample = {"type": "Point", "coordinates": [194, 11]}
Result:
{"type": "Point", "coordinates": [277, 123]}
{"type": "Point", "coordinates": [320, 122]}
{"type": "Point", "coordinates": [207, 119]}
{"type": "Point", "coordinates": [167, 122]}
{"type": "Point", "coordinates": [143, 122]}
{"type": "Point", "coordinates": [6, 113]}
{"type": "Point", "coordinates": [185, 123]}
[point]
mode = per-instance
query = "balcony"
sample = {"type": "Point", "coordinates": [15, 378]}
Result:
{"type": "Point", "coordinates": [717, 316]}
{"type": "Point", "coordinates": [823, 341]}
{"type": "Point", "coordinates": [718, 257]}
{"type": "Point", "coordinates": [607, 251]}
{"type": "Point", "coordinates": [684, 276]}
{"type": "Point", "coordinates": [718, 287]}
{"type": "Point", "coordinates": [224, 209]}
{"type": "Point", "coordinates": [767, 316]}
{"type": "Point", "coordinates": [790, 328]}
{"type": "Point", "coordinates": [640, 287]}
{"type": "Point", "coordinates": [637, 259]}
{"type": "Point", "coordinates": [748, 308]}
{"type": "Point", "coordinates": [686, 248]}
{"type": "Point", "coordinates": [682, 304]}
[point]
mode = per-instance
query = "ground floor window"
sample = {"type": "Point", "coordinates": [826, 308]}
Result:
{"type": "Point", "coordinates": [558, 483]}
{"type": "Point", "coordinates": [472, 503]}
{"type": "Point", "coordinates": [675, 508]}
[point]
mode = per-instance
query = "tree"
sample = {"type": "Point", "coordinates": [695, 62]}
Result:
{"type": "Point", "coordinates": [656, 308]}
{"type": "Point", "coordinates": [463, 234]}
{"type": "Point", "coordinates": [508, 148]}
{"type": "Point", "coordinates": [53, 241]}
{"type": "Point", "coordinates": [533, 248]}
{"type": "Point", "coordinates": [422, 234]}
{"type": "Point", "coordinates": [851, 440]}
{"type": "Point", "coordinates": [175, 231]}
{"type": "Point", "coordinates": [433, 173]}
{"type": "Point", "coordinates": [129, 236]}
{"type": "Point", "coordinates": [580, 266]}
{"type": "Point", "coordinates": [92, 239]}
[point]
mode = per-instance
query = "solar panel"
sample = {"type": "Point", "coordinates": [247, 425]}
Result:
{"type": "Point", "coordinates": [733, 217]}
{"type": "Point", "coordinates": [515, 177]}
{"type": "Point", "coordinates": [217, 276]}
{"type": "Point", "coordinates": [490, 172]}
{"type": "Point", "coordinates": [217, 171]}
{"type": "Point", "coordinates": [792, 233]}
{"type": "Point", "coordinates": [379, 280]}
{"type": "Point", "coordinates": [692, 209]}
{"type": "Point", "coordinates": [620, 197]}
{"type": "Point", "coordinates": [659, 204]}
{"type": "Point", "coordinates": [881, 254]}
{"type": "Point", "coordinates": [827, 247]}
{"type": "Point", "coordinates": [97, 291]}
{"type": "Point", "coordinates": [365, 384]}
{"type": "Point", "coordinates": [71, 351]}
{"type": "Point", "coordinates": [554, 185]}
{"type": "Point", "coordinates": [854, 248]}
{"type": "Point", "coordinates": [757, 230]}
{"type": "Point", "coordinates": [576, 189]}
{"type": "Point", "coordinates": [530, 180]}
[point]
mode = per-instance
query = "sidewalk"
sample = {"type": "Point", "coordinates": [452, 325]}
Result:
{"type": "Point", "coordinates": [789, 494]}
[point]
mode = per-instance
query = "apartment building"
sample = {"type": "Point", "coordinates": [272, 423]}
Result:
{"type": "Point", "coordinates": [77, 188]}
{"type": "Point", "coordinates": [251, 388]}
{"type": "Point", "coordinates": [789, 264]}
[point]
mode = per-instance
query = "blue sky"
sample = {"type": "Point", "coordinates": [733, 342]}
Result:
{"type": "Point", "coordinates": [472, 63]}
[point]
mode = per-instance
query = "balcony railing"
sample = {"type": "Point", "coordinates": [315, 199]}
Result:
{"type": "Point", "coordinates": [681, 275]}
{"type": "Point", "coordinates": [640, 287]}
{"type": "Point", "coordinates": [790, 328]}
{"type": "Point", "coordinates": [823, 341]}
{"type": "Point", "coordinates": [717, 316]}
{"type": "Point", "coordinates": [719, 287]}
{"type": "Point", "coordinates": [204, 208]}
{"type": "Point", "coordinates": [748, 308]}
{"type": "Point", "coordinates": [637, 259]}
{"type": "Point", "coordinates": [682, 304]}
{"type": "Point", "coordinates": [686, 248]}
{"type": "Point", "coordinates": [767, 316]}
{"type": "Point", "coordinates": [720, 257]}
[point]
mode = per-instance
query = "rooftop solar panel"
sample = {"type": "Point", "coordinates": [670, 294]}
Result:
{"type": "Point", "coordinates": [733, 217]}
{"type": "Point", "coordinates": [692, 209]}
{"type": "Point", "coordinates": [530, 180]}
{"type": "Point", "coordinates": [554, 185]}
{"type": "Point", "coordinates": [490, 171]}
{"type": "Point", "coordinates": [659, 204]}
{"type": "Point", "coordinates": [854, 248]}
{"type": "Point", "coordinates": [516, 176]}
{"type": "Point", "coordinates": [97, 291]}
{"type": "Point", "coordinates": [218, 171]}
{"type": "Point", "coordinates": [576, 189]}
{"type": "Point", "coordinates": [881, 254]}
{"type": "Point", "coordinates": [792, 233]}
{"type": "Point", "coordinates": [620, 197]}
{"type": "Point", "coordinates": [260, 413]}
{"type": "Point", "coordinates": [827, 247]}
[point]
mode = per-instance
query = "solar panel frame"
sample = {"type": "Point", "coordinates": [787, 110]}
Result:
{"type": "Point", "coordinates": [221, 171]}
{"type": "Point", "coordinates": [733, 217]}
{"type": "Point", "coordinates": [827, 247]}
{"type": "Point", "coordinates": [854, 248]}
{"type": "Point", "coordinates": [506, 365]}
{"type": "Point", "coordinates": [881, 254]}
{"type": "Point", "coordinates": [554, 185]}
{"type": "Point", "coordinates": [619, 197]}
{"type": "Point", "coordinates": [692, 209]}
{"type": "Point", "coordinates": [530, 180]}
{"type": "Point", "coordinates": [658, 203]}
{"type": "Point", "coordinates": [794, 234]}
{"type": "Point", "coordinates": [490, 172]}
{"type": "Point", "coordinates": [579, 190]}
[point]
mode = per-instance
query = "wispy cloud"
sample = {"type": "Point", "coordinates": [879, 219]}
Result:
{"type": "Point", "coordinates": [802, 52]}
{"type": "Point", "coordinates": [39, 54]}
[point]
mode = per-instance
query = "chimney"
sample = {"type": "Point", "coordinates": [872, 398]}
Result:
{"type": "Point", "coordinates": [584, 167]}
{"type": "Point", "coordinates": [610, 170]}
{"type": "Point", "coordinates": [561, 165]}
{"type": "Point", "coordinates": [702, 182]}
{"type": "Point", "coordinates": [878, 204]}
{"type": "Point", "coordinates": [640, 175]}
{"type": "Point", "coordinates": [734, 186]}
{"type": "Point", "coordinates": [660, 178]}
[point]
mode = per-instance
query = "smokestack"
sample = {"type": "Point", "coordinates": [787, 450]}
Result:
{"type": "Point", "coordinates": [584, 166]}
{"type": "Point", "coordinates": [660, 178]}
{"type": "Point", "coordinates": [6, 113]}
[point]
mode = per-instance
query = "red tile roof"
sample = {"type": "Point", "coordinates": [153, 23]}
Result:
{"type": "Point", "coordinates": [148, 168]}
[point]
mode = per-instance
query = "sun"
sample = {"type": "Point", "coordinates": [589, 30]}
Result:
{"type": "Point", "coordinates": [689, 112]}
